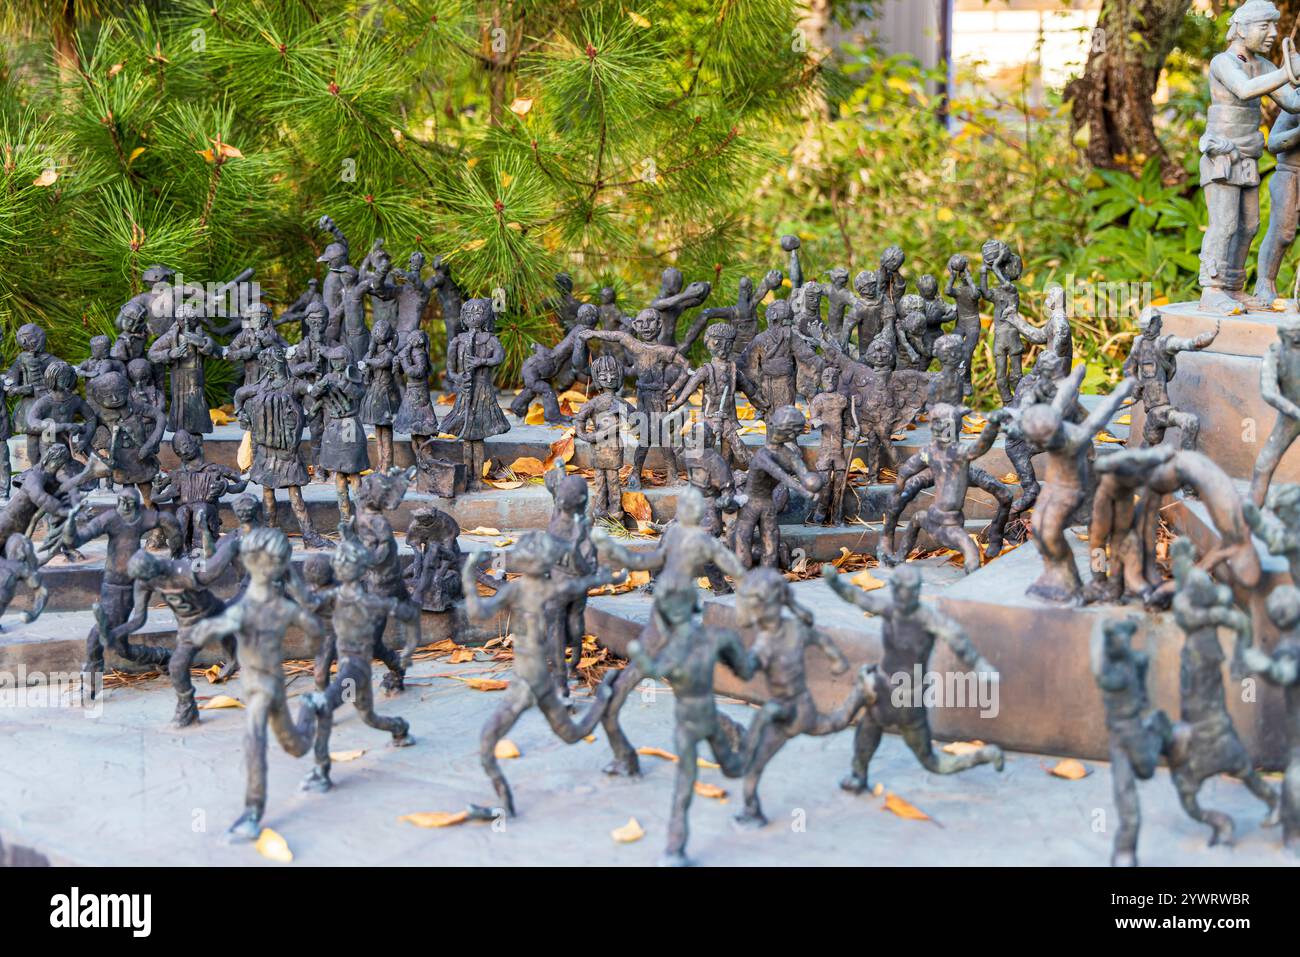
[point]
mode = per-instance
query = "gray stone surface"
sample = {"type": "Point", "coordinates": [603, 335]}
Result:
{"type": "Point", "coordinates": [163, 797]}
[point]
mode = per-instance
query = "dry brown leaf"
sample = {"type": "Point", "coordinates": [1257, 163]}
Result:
{"type": "Point", "coordinates": [506, 485]}
{"type": "Point", "coordinates": [506, 749]}
{"type": "Point", "coordinates": [487, 684]}
{"type": "Point", "coordinates": [221, 701]}
{"type": "Point", "coordinates": [657, 753]}
{"type": "Point", "coordinates": [521, 105]}
{"type": "Point", "coordinates": [704, 789]}
{"type": "Point", "coordinates": [561, 449]}
{"type": "Point", "coordinates": [461, 655]}
{"type": "Point", "coordinates": [273, 847]}
{"type": "Point", "coordinates": [435, 818]}
{"type": "Point", "coordinates": [629, 832]}
{"type": "Point", "coordinates": [244, 457]}
{"type": "Point", "coordinates": [528, 466]}
{"type": "Point", "coordinates": [867, 581]}
{"type": "Point", "coordinates": [1070, 769]}
{"type": "Point", "coordinates": [903, 808]}
{"type": "Point", "coordinates": [47, 177]}
{"type": "Point", "coordinates": [637, 505]}
{"type": "Point", "coordinates": [341, 757]}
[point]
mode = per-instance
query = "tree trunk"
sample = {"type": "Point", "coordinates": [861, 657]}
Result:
{"type": "Point", "coordinates": [64, 34]}
{"type": "Point", "coordinates": [1113, 98]}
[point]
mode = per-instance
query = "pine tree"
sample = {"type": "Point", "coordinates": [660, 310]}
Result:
{"type": "Point", "coordinates": [515, 139]}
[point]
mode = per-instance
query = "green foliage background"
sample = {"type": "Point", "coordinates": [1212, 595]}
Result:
{"type": "Point", "coordinates": [517, 139]}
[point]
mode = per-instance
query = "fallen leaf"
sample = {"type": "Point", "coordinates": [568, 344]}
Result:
{"type": "Point", "coordinates": [505, 750]}
{"type": "Point", "coordinates": [573, 397]}
{"type": "Point", "coordinates": [273, 847]}
{"type": "Point", "coordinates": [487, 684]}
{"type": "Point", "coordinates": [878, 790]}
{"type": "Point", "coordinates": [220, 417]}
{"type": "Point", "coordinates": [506, 485]}
{"type": "Point", "coordinates": [504, 542]}
{"type": "Point", "coordinates": [746, 412]}
{"type": "Point", "coordinates": [561, 449]}
{"type": "Point", "coordinates": [339, 757]}
{"type": "Point", "coordinates": [963, 747]}
{"type": "Point", "coordinates": [221, 701]}
{"type": "Point", "coordinates": [657, 753]}
{"type": "Point", "coordinates": [1125, 419]}
{"type": "Point", "coordinates": [1011, 478]}
{"type": "Point", "coordinates": [47, 177]}
{"type": "Point", "coordinates": [212, 674]}
{"type": "Point", "coordinates": [1104, 436]}
{"type": "Point", "coordinates": [435, 818]}
{"type": "Point", "coordinates": [535, 415]}
{"type": "Point", "coordinates": [461, 655]}
{"type": "Point", "coordinates": [703, 763]}
{"type": "Point", "coordinates": [244, 457]}
{"type": "Point", "coordinates": [529, 466]}
{"type": "Point", "coordinates": [1070, 769]}
{"type": "Point", "coordinates": [845, 555]}
{"type": "Point", "coordinates": [482, 530]}
{"type": "Point", "coordinates": [903, 808]}
{"type": "Point", "coordinates": [703, 789]}
{"type": "Point", "coordinates": [867, 581]}
{"type": "Point", "coordinates": [637, 505]}
{"type": "Point", "coordinates": [629, 832]}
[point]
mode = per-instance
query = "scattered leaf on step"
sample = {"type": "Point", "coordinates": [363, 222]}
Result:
{"type": "Point", "coordinates": [637, 505]}
{"type": "Point", "coordinates": [1125, 419]}
{"type": "Point", "coordinates": [867, 581]}
{"type": "Point", "coordinates": [487, 684]}
{"type": "Point", "coordinates": [963, 747]}
{"type": "Point", "coordinates": [703, 763]}
{"type": "Point", "coordinates": [461, 655]}
{"type": "Point", "coordinates": [221, 701]}
{"type": "Point", "coordinates": [1069, 768]}
{"type": "Point", "coordinates": [1104, 436]}
{"type": "Point", "coordinates": [213, 674]}
{"type": "Point", "coordinates": [506, 749]}
{"type": "Point", "coordinates": [482, 530]}
{"type": "Point", "coordinates": [535, 415]}
{"type": "Point", "coordinates": [561, 449]}
{"type": "Point", "coordinates": [629, 832]}
{"type": "Point", "coordinates": [903, 808]}
{"type": "Point", "coordinates": [657, 753]}
{"type": "Point", "coordinates": [506, 485]}
{"type": "Point", "coordinates": [589, 738]}
{"type": "Point", "coordinates": [220, 417]}
{"type": "Point", "coordinates": [273, 847]}
{"type": "Point", "coordinates": [1011, 478]}
{"type": "Point", "coordinates": [704, 789]}
{"type": "Point", "coordinates": [340, 757]}
{"type": "Point", "coordinates": [528, 466]}
{"type": "Point", "coordinates": [504, 542]}
{"type": "Point", "coordinates": [435, 818]}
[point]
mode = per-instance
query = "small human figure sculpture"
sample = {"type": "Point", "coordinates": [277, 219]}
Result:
{"type": "Point", "coordinates": [555, 368]}
{"type": "Point", "coordinates": [966, 297]}
{"type": "Point", "coordinates": [272, 413]}
{"type": "Point", "coordinates": [893, 284]}
{"type": "Point", "coordinates": [836, 416]}
{"type": "Point", "coordinates": [777, 463]}
{"type": "Point", "coordinates": [1277, 524]}
{"type": "Point", "coordinates": [1054, 335]}
{"type": "Point", "coordinates": [298, 308]}
{"type": "Point", "coordinates": [720, 379]}
{"type": "Point", "coordinates": [570, 525]}
{"type": "Point", "coordinates": [450, 298]}
{"type": "Point", "coordinates": [139, 374]}
{"type": "Point", "coordinates": [1205, 741]}
{"type": "Point", "coordinates": [335, 258]}
{"type": "Point", "coordinates": [1138, 736]}
{"type": "Point", "coordinates": [127, 439]}
{"type": "Point", "coordinates": [673, 300]}
{"type": "Point", "coordinates": [689, 668]}
{"type": "Point", "coordinates": [948, 385]}
{"type": "Point", "coordinates": [55, 414]}
{"type": "Point", "coordinates": [20, 565]}
{"type": "Point", "coordinates": [1047, 426]}
{"type": "Point", "coordinates": [1284, 208]}
{"type": "Point", "coordinates": [383, 492]}
{"type": "Point", "coordinates": [412, 294]}
{"type": "Point", "coordinates": [196, 487]}
{"type": "Point", "coordinates": [865, 317]}
{"type": "Point", "coordinates": [1038, 386]}
{"type": "Point", "coordinates": [39, 494]}
{"type": "Point", "coordinates": [182, 349]}
{"type": "Point", "coordinates": [186, 589]}
{"type": "Point", "coordinates": [26, 380]}
{"type": "Point", "coordinates": [711, 476]}
{"type": "Point", "coordinates": [256, 335]}
{"type": "Point", "coordinates": [376, 271]}
{"type": "Point", "coordinates": [604, 414]}
{"type": "Point", "coordinates": [100, 360]}
{"type": "Point", "coordinates": [1281, 667]}
{"type": "Point", "coordinates": [780, 644]}
{"type": "Point", "coordinates": [1231, 146]}
{"type": "Point", "coordinates": [258, 620]}
{"type": "Point", "coordinates": [343, 448]}
{"type": "Point", "coordinates": [655, 367]}
{"type": "Point", "coordinates": [132, 340]}
{"type": "Point", "coordinates": [307, 363]}
{"type": "Point", "coordinates": [887, 399]}
{"type": "Point", "coordinates": [684, 552]}
{"type": "Point", "coordinates": [908, 632]}
{"type": "Point", "coordinates": [743, 315]}
{"type": "Point", "coordinates": [352, 609]}
{"type": "Point", "coordinates": [910, 332]}
{"type": "Point", "coordinates": [1279, 386]}
{"type": "Point", "coordinates": [6, 433]}
{"type": "Point", "coordinates": [839, 299]}
{"type": "Point", "coordinates": [564, 305]}
{"type": "Point", "coordinates": [1117, 560]}
{"type": "Point", "coordinates": [415, 413]}
{"type": "Point", "coordinates": [383, 398]}
{"type": "Point", "coordinates": [434, 572]}
{"type": "Point", "coordinates": [1153, 362]}
{"type": "Point", "coordinates": [529, 600]}
{"type": "Point", "coordinates": [317, 580]}
{"type": "Point", "coordinates": [949, 465]}
{"type": "Point", "coordinates": [1008, 346]}
{"type": "Point", "coordinates": [472, 360]}
{"type": "Point", "coordinates": [350, 320]}
{"type": "Point", "coordinates": [125, 527]}
{"type": "Point", "coordinates": [770, 361]}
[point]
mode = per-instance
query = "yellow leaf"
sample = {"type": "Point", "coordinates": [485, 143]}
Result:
{"type": "Point", "coordinates": [208, 155]}
{"type": "Point", "coordinates": [573, 397]}
{"type": "Point", "coordinates": [435, 818]}
{"type": "Point", "coordinates": [341, 757]}
{"type": "Point", "coordinates": [487, 468]}
{"type": "Point", "coordinates": [135, 154]}
{"type": "Point", "coordinates": [745, 412]}
{"type": "Point", "coordinates": [482, 530]}
{"type": "Point", "coordinates": [487, 684]}
{"type": "Point", "coordinates": [220, 417]}
{"type": "Point", "coordinates": [474, 244]}
{"type": "Point", "coordinates": [637, 505]}
{"type": "Point", "coordinates": [521, 106]}
{"type": "Point", "coordinates": [704, 789]}
{"type": "Point", "coordinates": [1125, 419]}
{"type": "Point", "coordinates": [471, 162]}
{"type": "Point", "coordinates": [1011, 478]}
{"type": "Point", "coordinates": [629, 832]}
{"type": "Point", "coordinates": [273, 847]}
{"type": "Point", "coordinates": [244, 457]}
{"type": "Point", "coordinates": [535, 415]}
{"type": "Point", "coordinates": [878, 790]}
{"type": "Point", "coordinates": [636, 18]}
{"type": "Point", "coordinates": [1160, 301]}
{"type": "Point", "coordinates": [702, 763]}
{"type": "Point", "coordinates": [899, 84]}
{"type": "Point", "coordinates": [857, 465]}
{"type": "Point", "coordinates": [657, 753]}
{"type": "Point", "coordinates": [963, 747]}
{"type": "Point", "coordinates": [460, 656]}
{"type": "Point", "coordinates": [945, 215]}
{"type": "Point", "coordinates": [1070, 769]}
{"type": "Point", "coordinates": [867, 581]}
{"type": "Point", "coordinates": [506, 749]}
{"type": "Point", "coordinates": [504, 542]}
{"type": "Point", "coordinates": [47, 177]}
{"type": "Point", "coordinates": [703, 582]}
{"type": "Point", "coordinates": [1104, 436]}
{"type": "Point", "coordinates": [221, 701]}
{"type": "Point", "coordinates": [505, 484]}
{"type": "Point", "coordinates": [528, 466]}
{"type": "Point", "coordinates": [903, 808]}
{"type": "Point", "coordinates": [845, 555]}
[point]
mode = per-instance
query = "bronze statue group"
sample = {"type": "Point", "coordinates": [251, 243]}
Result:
{"type": "Point", "coordinates": [865, 358]}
